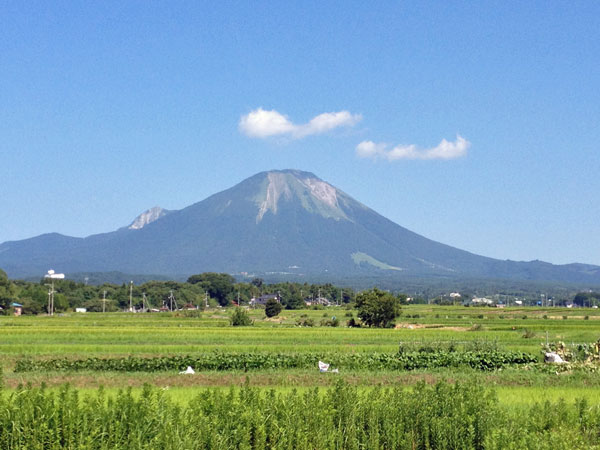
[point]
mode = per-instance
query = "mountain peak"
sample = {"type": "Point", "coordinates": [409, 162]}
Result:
{"type": "Point", "coordinates": [314, 194]}
{"type": "Point", "coordinates": [297, 173]}
{"type": "Point", "coordinates": [147, 217]}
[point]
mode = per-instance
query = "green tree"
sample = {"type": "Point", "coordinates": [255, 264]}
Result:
{"type": "Point", "coordinates": [7, 291]}
{"type": "Point", "coordinates": [272, 307]}
{"type": "Point", "coordinates": [34, 299]}
{"type": "Point", "coordinates": [377, 308]}
{"type": "Point", "coordinates": [218, 285]}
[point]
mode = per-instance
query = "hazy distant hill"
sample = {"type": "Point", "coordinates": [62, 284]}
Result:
{"type": "Point", "coordinates": [278, 221]}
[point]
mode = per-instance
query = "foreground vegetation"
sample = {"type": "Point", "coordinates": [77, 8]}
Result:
{"type": "Point", "coordinates": [443, 377]}
{"type": "Point", "coordinates": [443, 416]}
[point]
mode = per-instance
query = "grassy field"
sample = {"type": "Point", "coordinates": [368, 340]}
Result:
{"type": "Point", "coordinates": [150, 335]}
{"type": "Point", "coordinates": [122, 334]}
{"type": "Point", "coordinates": [550, 399]}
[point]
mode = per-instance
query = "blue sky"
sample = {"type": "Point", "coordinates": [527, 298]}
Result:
{"type": "Point", "coordinates": [110, 108]}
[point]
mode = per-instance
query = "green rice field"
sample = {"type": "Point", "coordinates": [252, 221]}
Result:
{"type": "Point", "coordinates": [517, 389]}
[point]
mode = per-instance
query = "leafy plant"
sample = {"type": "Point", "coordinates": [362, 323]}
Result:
{"type": "Point", "coordinates": [305, 321]}
{"type": "Point", "coordinates": [426, 357]}
{"type": "Point", "coordinates": [240, 318]}
{"type": "Point", "coordinates": [333, 322]}
{"type": "Point", "coordinates": [272, 308]}
{"type": "Point", "coordinates": [528, 334]}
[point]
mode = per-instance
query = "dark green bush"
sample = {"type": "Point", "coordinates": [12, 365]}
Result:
{"type": "Point", "coordinates": [305, 321]}
{"type": "Point", "coordinates": [272, 308]}
{"type": "Point", "coordinates": [333, 322]}
{"type": "Point", "coordinates": [354, 323]}
{"type": "Point", "coordinates": [240, 318]}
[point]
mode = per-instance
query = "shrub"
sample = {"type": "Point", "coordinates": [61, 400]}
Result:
{"type": "Point", "coordinates": [240, 318]}
{"type": "Point", "coordinates": [272, 308]}
{"type": "Point", "coordinates": [354, 323]}
{"type": "Point", "coordinates": [333, 322]}
{"type": "Point", "coordinates": [305, 321]}
{"type": "Point", "coordinates": [528, 334]}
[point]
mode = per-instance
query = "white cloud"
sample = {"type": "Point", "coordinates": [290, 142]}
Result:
{"type": "Point", "coordinates": [444, 150]}
{"type": "Point", "coordinates": [261, 123]}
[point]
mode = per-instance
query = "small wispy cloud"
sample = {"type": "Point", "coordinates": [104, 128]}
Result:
{"type": "Point", "coordinates": [444, 150]}
{"type": "Point", "coordinates": [262, 124]}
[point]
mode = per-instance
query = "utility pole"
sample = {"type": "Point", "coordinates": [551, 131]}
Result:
{"type": "Point", "coordinates": [52, 275]}
{"type": "Point", "coordinates": [131, 296]}
{"type": "Point", "coordinates": [104, 302]}
{"type": "Point", "coordinates": [49, 300]}
{"type": "Point", "coordinates": [52, 299]}
{"type": "Point", "coordinates": [206, 299]}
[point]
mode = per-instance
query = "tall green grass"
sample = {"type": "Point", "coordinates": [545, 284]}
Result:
{"type": "Point", "coordinates": [442, 416]}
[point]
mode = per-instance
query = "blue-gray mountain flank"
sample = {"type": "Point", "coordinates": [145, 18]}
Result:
{"type": "Point", "coordinates": [276, 221]}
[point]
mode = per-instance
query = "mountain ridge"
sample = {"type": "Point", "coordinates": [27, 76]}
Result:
{"type": "Point", "coordinates": [274, 221]}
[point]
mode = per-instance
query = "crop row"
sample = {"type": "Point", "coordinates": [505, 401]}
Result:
{"type": "Point", "coordinates": [220, 361]}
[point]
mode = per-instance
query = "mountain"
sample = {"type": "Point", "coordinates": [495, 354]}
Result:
{"type": "Point", "coordinates": [282, 221]}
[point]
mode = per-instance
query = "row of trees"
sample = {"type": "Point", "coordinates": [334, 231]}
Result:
{"type": "Point", "coordinates": [218, 288]}
{"type": "Point", "coordinates": [375, 307]}
{"type": "Point", "coordinates": [587, 299]}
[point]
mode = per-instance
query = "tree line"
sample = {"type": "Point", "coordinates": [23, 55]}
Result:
{"type": "Point", "coordinates": [216, 289]}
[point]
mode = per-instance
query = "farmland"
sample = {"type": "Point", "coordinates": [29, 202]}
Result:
{"type": "Point", "coordinates": [79, 346]}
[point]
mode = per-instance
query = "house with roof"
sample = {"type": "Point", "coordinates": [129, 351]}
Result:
{"type": "Point", "coordinates": [317, 301]}
{"type": "Point", "coordinates": [482, 301]}
{"type": "Point", "coordinates": [263, 299]}
{"type": "Point", "coordinates": [18, 308]}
